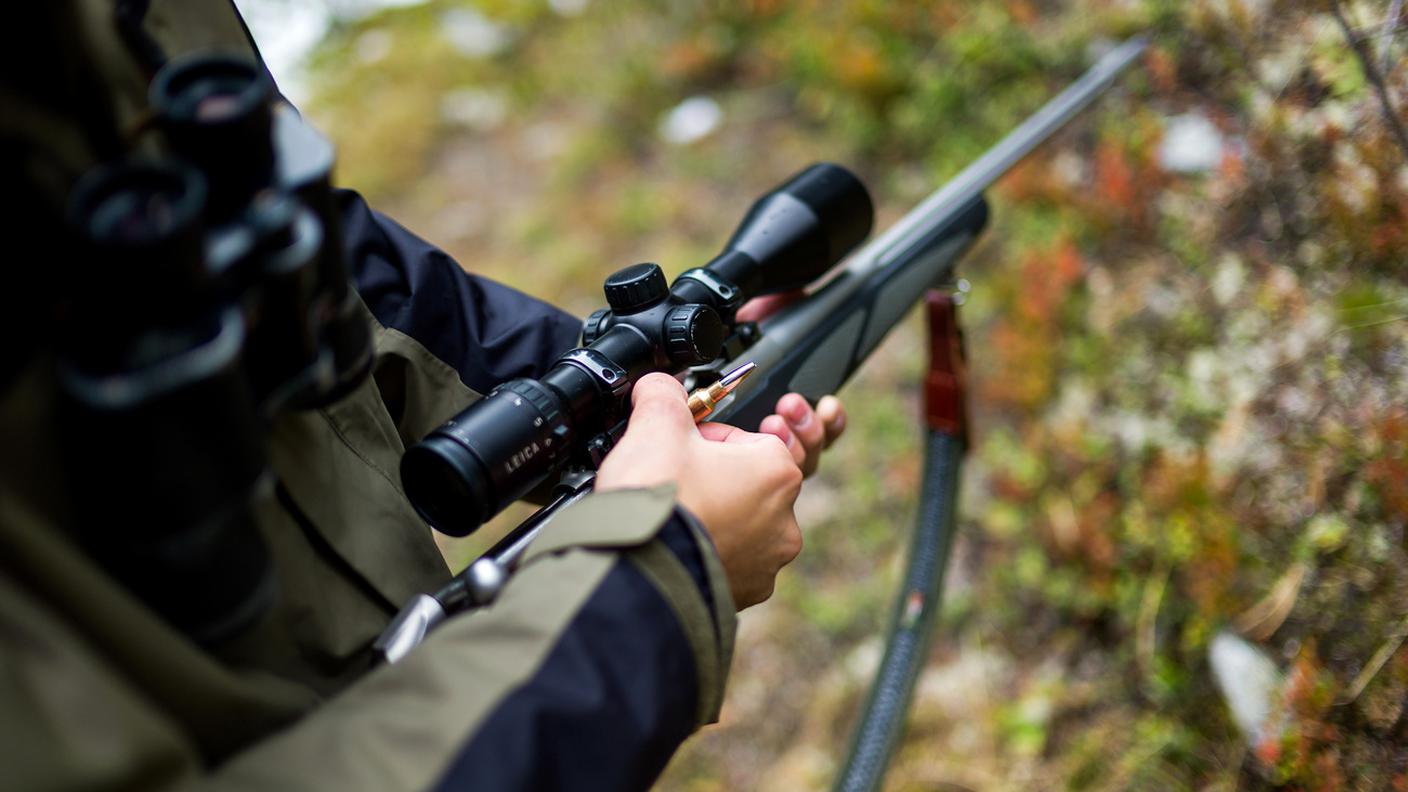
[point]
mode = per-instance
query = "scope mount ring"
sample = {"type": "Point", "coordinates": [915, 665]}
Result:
{"type": "Point", "coordinates": [727, 293]}
{"type": "Point", "coordinates": [610, 377]}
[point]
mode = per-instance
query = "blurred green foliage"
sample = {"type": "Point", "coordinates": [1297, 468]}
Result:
{"type": "Point", "coordinates": [1190, 389]}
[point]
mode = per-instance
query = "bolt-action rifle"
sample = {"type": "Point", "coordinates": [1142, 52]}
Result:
{"type": "Point", "coordinates": [526, 431]}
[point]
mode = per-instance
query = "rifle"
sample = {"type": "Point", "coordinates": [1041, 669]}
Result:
{"type": "Point", "coordinates": [507, 444]}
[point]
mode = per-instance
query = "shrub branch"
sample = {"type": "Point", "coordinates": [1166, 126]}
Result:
{"type": "Point", "coordinates": [1366, 62]}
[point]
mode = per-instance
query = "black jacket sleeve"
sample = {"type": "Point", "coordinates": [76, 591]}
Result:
{"type": "Point", "coordinates": [486, 331]}
{"type": "Point", "coordinates": [610, 703]}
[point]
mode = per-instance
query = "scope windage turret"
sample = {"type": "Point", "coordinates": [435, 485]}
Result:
{"type": "Point", "coordinates": [505, 445]}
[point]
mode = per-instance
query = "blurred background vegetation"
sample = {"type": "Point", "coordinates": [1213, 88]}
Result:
{"type": "Point", "coordinates": [1187, 332]}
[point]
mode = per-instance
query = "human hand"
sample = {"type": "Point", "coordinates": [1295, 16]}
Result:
{"type": "Point", "coordinates": [741, 485]}
{"type": "Point", "coordinates": [806, 432]}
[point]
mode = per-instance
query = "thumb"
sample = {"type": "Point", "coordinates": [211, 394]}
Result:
{"type": "Point", "coordinates": [659, 405]}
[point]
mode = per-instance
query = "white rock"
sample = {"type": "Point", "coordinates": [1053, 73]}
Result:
{"type": "Point", "coordinates": [1075, 403]}
{"type": "Point", "coordinates": [864, 659]}
{"type": "Point", "coordinates": [1202, 366]}
{"type": "Point", "coordinates": [372, 46]}
{"type": "Point", "coordinates": [1191, 144]}
{"type": "Point", "coordinates": [1228, 280]}
{"type": "Point", "coordinates": [1070, 168]}
{"type": "Point", "coordinates": [545, 140]}
{"type": "Point", "coordinates": [691, 120]}
{"type": "Point", "coordinates": [1249, 681]}
{"type": "Point", "coordinates": [474, 108]}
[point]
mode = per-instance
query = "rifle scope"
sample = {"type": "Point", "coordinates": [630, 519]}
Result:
{"type": "Point", "coordinates": [505, 445]}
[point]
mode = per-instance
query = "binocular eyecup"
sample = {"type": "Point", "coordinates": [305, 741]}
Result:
{"type": "Point", "coordinates": [217, 113]}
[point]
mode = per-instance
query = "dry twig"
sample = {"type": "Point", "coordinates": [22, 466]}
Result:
{"type": "Point", "coordinates": [1264, 618]}
{"type": "Point", "coordinates": [1390, 26]}
{"type": "Point", "coordinates": [1375, 664]}
{"type": "Point", "coordinates": [1371, 72]}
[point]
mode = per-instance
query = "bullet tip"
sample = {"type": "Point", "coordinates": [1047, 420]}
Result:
{"type": "Point", "coordinates": [738, 375]}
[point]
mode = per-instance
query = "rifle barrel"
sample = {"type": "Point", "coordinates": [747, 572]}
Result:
{"type": "Point", "coordinates": [987, 169]}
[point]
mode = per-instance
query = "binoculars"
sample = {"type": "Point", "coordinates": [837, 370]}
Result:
{"type": "Point", "coordinates": [211, 294]}
{"type": "Point", "coordinates": [505, 445]}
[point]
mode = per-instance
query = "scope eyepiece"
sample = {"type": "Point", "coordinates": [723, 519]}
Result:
{"type": "Point", "coordinates": [284, 309]}
{"type": "Point", "coordinates": [487, 457]}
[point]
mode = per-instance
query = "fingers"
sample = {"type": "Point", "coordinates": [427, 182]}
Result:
{"type": "Point", "coordinates": [776, 426]}
{"type": "Point", "coordinates": [659, 407]}
{"type": "Point", "coordinates": [805, 431]}
{"type": "Point", "coordinates": [760, 307]}
{"type": "Point", "coordinates": [769, 457]}
{"type": "Point", "coordinates": [833, 418]}
{"type": "Point", "coordinates": [806, 427]}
